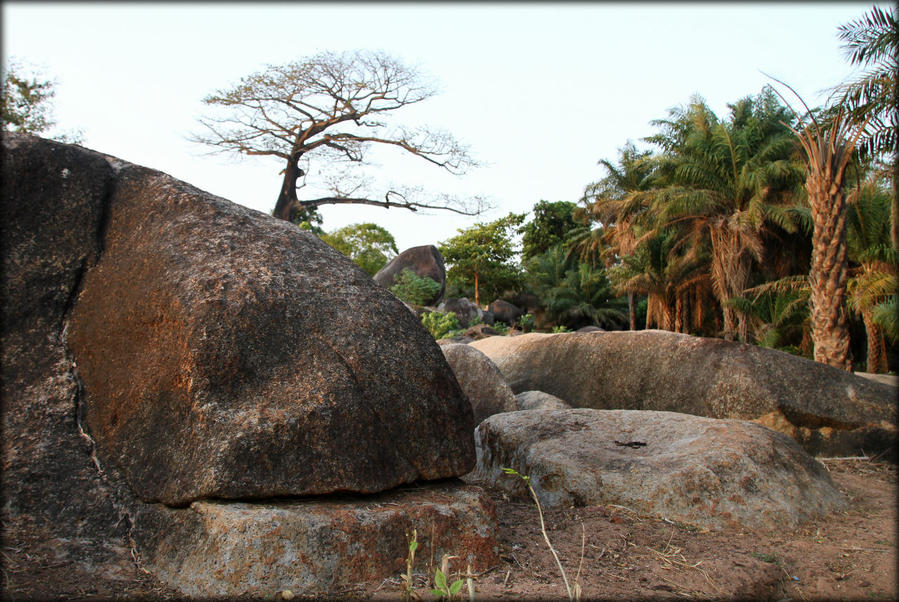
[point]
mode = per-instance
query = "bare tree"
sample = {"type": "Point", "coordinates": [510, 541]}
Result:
{"type": "Point", "coordinates": [327, 111]}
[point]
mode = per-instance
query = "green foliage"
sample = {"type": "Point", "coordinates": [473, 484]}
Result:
{"type": "Point", "coordinates": [553, 224]}
{"type": "Point", "coordinates": [440, 325]}
{"type": "Point", "coordinates": [442, 589]}
{"type": "Point", "coordinates": [414, 289]}
{"type": "Point", "coordinates": [501, 327]}
{"type": "Point", "coordinates": [369, 245]}
{"type": "Point", "coordinates": [483, 256]}
{"type": "Point", "coordinates": [526, 322]}
{"type": "Point", "coordinates": [27, 104]}
{"type": "Point", "coordinates": [573, 293]}
{"type": "Point", "coordinates": [408, 589]}
{"type": "Point", "coordinates": [560, 329]}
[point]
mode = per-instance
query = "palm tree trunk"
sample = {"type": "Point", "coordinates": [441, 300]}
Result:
{"type": "Point", "coordinates": [877, 352]}
{"type": "Point", "coordinates": [829, 272]}
{"type": "Point", "coordinates": [631, 311]}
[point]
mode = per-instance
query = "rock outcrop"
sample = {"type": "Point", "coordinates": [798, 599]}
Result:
{"type": "Point", "coordinates": [315, 545]}
{"type": "Point", "coordinates": [836, 412]}
{"type": "Point", "coordinates": [702, 471]}
{"type": "Point", "coordinates": [426, 261]}
{"type": "Point", "coordinates": [481, 381]}
{"type": "Point", "coordinates": [164, 345]}
{"type": "Point", "coordinates": [466, 311]}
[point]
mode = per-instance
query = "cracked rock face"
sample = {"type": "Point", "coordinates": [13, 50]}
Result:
{"type": "Point", "coordinates": [160, 344]}
{"type": "Point", "coordinates": [228, 354]}
{"type": "Point", "coordinates": [827, 410]}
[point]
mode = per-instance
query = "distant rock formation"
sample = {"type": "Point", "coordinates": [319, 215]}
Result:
{"type": "Point", "coordinates": [426, 261]}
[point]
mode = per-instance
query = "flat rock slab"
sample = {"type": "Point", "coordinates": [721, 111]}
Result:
{"type": "Point", "coordinates": [661, 370]}
{"type": "Point", "coordinates": [702, 471]}
{"type": "Point", "coordinates": [216, 549]}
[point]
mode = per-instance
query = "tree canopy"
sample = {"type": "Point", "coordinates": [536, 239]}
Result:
{"type": "Point", "coordinates": [482, 256]}
{"type": "Point", "coordinates": [369, 245]}
{"type": "Point", "coordinates": [320, 117]}
{"type": "Point", "coordinates": [551, 225]}
{"type": "Point", "coordinates": [27, 103]}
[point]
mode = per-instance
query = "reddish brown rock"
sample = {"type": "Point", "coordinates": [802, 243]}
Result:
{"type": "Point", "coordinates": [660, 370]}
{"type": "Point", "coordinates": [223, 355]}
{"type": "Point", "coordinates": [702, 471]}
{"type": "Point", "coordinates": [214, 549]}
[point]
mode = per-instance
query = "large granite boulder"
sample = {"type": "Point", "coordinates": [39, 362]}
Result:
{"type": "Point", "coordinates": [60, 515]}
{"type": "Point", "coordinates": [827, 410]}
{"type": "Point", "coordinates": [481, 381]}
{"type": "Point", "coordinates": [703, 471]}
{"type": "Point", "coordinates": [426, 261]}
{"type": "Point", "coordinates": [160, 344]}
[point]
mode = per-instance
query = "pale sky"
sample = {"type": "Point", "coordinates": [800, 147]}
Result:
{"type": "Point", "coordinates": [539, 91]}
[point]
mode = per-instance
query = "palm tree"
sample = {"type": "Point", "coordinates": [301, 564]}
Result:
{"type": "Point", "coordinates": [724, 181]}
{"type": "Point", "coordinates": [874, 280]}
{"type": "Point", "coordinates": [872, 42]}
{"type": "Point", "coordinates": [607, 201]}
{"type": "Point", "coordinates": [828, 153]}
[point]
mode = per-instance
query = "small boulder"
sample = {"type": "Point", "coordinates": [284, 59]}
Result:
{"type": "Point", "coordinates": [538, 400]}
{"type": "Point", "coordinates": [466, 311]}
{"type": "Point", "coordinates": [426, 261]}
{"type": "Point", "coordinates": [661, 370]}
{"type": "Point", "coordinates": [503, 311]}
{"type": "Point", "coordinates": [702, 471]}
{"type": "Point", "coordinates": [480, 331]}
{"type": "Point", "coordinates": [481, 381]}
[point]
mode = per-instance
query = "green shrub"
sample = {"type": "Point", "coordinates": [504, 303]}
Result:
{"type": "Point", "coordinates": [414, 289]}
{"type": "Point", "coordinates": [526, 322]}
{"type": "Point", "coordinates": [440, 325]}
{"type": "Point", "coordinates": [501, 327]}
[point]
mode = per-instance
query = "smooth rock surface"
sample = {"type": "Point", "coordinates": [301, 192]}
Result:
{"type": "Point", "coordinates": [466, 311]}
{"type": "Point", "coordinates": [503, 311]}
{"type": "Point", "coordinates": [538, 400]}
{"type": "Point", "coordinates": [481, 381]}
{"type": "Point", "coordinates": [660, 370]}
{"type": "Point", "coordinates": [702, 471]}
{"type": "Point", "coordinates": [426, 261]}
{"type": "Point", "coordinates": [214, 549]}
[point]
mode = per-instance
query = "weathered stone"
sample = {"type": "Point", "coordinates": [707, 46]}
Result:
{"type": "Point", "coordinates": [887, 379]}
{"type": "Point", "coordinates": [55, 503]}
{"type": "Point", "coordinates": [590, 329]}
{"type": "Point", "coordinates": [538, 400]}
{"type": "Point", "coordinates": [481, 381]}
{"type": "Point", "coordinates": [215, 549]}
{"type": "Point", "coordinates": [466, 311]}
{"type": "Point", "coordinates": [708, 472]}
{"type": "Point", "coordinates": [426, 261]}
{"type": "Point", "coordinates": [660, 370]}
{"type": "Point", "coordinates": [222, 356]}
{"type": "Point", "coordinates": [503, 311]}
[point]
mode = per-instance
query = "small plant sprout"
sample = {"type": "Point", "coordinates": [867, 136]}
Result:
{"type": "Point", "coordinates": [575, 595]}
{"type": "Point", "coordinates": [408, 590]}
{"type": "Point", "coordinates": [441, 588]}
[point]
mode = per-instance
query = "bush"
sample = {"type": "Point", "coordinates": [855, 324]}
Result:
{"type": "Point", "coordinates": [440, 325]}
{"type": "Point", "coordinates": [414, 289]}
{"type": "Point", "coordinates": [526, 323]}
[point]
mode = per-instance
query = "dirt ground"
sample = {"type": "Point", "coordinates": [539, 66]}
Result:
{"type": "Point", "coordinates": [849, 555]}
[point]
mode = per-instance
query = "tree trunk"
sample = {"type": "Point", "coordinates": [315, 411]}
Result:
{"type": "Point", "coordinates": [829, 269]}
{"type": "Point", "coordinates": [477, 300]}
{"type": "Point", "coordinates": [287, 205]}
{"type": "Point", "coordinates": [631, 311]}
{"type": "Point", "coordinates": [877, 352]}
